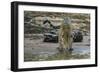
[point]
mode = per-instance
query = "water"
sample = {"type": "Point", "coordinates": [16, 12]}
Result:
{"type": "Point", "coordinates": [77, 53]}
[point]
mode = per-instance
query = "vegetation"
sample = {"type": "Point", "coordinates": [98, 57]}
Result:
{"type": "Point", "coordinates": [32, 27]}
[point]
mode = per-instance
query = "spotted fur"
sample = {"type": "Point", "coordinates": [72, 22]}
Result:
{"type": "Point", "coordinates": [65, 38]}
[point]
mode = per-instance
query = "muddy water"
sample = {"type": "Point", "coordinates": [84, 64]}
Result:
{"type": "Point", "coordinates": [37, 50]}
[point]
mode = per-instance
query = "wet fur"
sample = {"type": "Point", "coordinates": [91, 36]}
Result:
{"type": "Point", "coordinates": [65, 39]}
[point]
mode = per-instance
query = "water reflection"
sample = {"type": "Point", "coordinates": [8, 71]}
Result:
{"type": "Point", "coordinates": [77, 53]}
